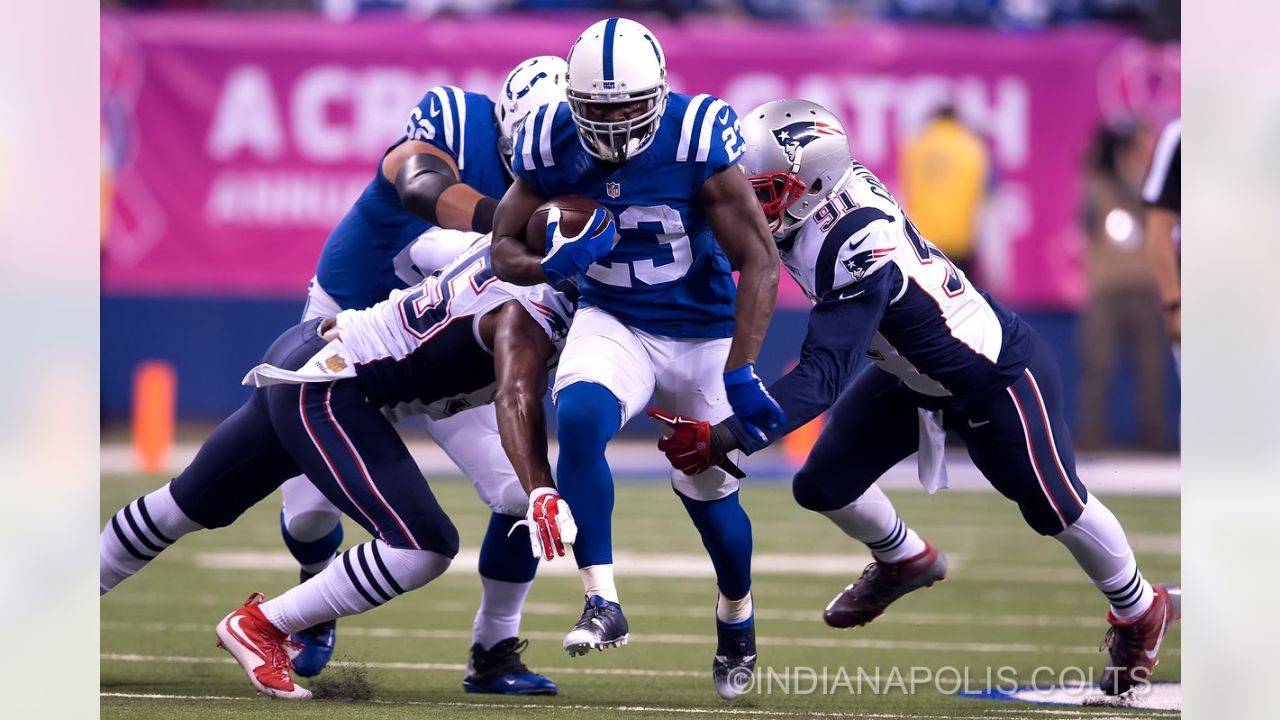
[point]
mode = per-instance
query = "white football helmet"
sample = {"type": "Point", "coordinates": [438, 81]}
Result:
{"type": "Point", "coordinates": [617, 88]}
{"type": "Point", "coordinates": [533, 83]}
{"type": "Point", "coordinates": [797, 154]}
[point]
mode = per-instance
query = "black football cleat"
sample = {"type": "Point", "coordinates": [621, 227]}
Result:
{"type": "Point", "coordinates": [881, 584]}
{"type": "Point", "coordinates": [601, 626]}
{"type": "Point", "coordinates": [734, 665]}
{"type": "Point", "coordinates": [499, 671]}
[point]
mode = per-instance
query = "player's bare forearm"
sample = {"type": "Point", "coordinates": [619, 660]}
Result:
{"type": "Point", "coordinates": [513, 260]}
{"type": "Point", "coordinates": [739, 226]}
{"type": "Point", "coordinates": [520, 354]}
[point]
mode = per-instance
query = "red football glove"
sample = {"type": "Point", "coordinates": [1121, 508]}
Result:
{"type": "Point", "coordinates": [550, 523]}
{"type": "Point", "coordinates": [688, 447]}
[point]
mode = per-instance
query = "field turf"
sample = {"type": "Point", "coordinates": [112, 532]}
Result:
{"type": "Point", "coordinates": [1014, 602]}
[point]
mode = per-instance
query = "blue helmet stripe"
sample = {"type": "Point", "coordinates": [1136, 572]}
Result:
{"type": "Point", "coordinates": [610, 25]}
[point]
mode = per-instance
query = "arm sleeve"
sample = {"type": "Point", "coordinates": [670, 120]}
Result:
{"type": "Point", "coordinates": [440, 119]}
{"type": "Point", "coordinates": [841, 327]}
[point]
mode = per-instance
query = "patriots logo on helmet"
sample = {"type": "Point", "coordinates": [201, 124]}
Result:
{"type": "Point", "coordinates": [795, 136]}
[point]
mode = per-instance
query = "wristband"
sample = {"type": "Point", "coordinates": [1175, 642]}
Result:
{"type": "Point", "coordinates": [482, 216]}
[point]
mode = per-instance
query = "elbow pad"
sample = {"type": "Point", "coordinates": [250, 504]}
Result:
{"type": "Point", "coordinates": [420, 182]}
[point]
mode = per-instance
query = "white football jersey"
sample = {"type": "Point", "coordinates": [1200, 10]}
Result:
{"type": "Point", "coordinates": [420, 349]}
{"type": "Point", "coordinates": [938, 333]}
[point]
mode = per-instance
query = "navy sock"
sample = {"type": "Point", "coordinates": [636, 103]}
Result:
{"type": "Point", "coordinates": [587, 418]}
{"type": "Point", "coordinates": [503, 557]}
{"type": "Point", "coordinates": [726, 534]}
{"type": "Point", "coordinates": [315, 551]}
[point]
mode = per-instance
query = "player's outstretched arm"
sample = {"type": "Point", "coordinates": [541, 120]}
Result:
{"type": "Point", "coordinates": [840, 331]}
{"type": "Point", "coordinates": [513, 261]}
{"type": "Point", "coordinates": [426, 178]}
{"type": "Point", "coordinates": [739, 226]}
{"type": "Point", "coordinates": [521, 351]}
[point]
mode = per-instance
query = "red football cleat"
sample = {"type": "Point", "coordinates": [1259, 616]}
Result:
{"type": "Point", "coordinates": [1135, 645]}
{"type": "Point", "coordinates": [882, 583]}
{"type": "Point", "coordinates": [261, 649]}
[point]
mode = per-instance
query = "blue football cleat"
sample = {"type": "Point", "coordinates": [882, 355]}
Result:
{"type": "Point", "coordinates": [601, 626]}
{"type": "Point", "coordinates": [316, 643]}
{"type": "Point", "coordinates": [734, 666]}
{"type": "Point", "coordinates": [499, 671]}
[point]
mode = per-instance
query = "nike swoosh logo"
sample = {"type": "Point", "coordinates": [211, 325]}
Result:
{"type": "Point", "coordinates": [1155, 651]}
{"type": "Point", "coordinates": [434, 107]}
{"type": "Point", "coordinates": [233, 625]}
{"type": "Point", "coordinates": [850, 295]}
{"type": "Point", "coordinates": [725, 117]}
{"type": "Point", "coordinates": [973, 424]}
{"type": "Point", "coordinates": [597, 623]}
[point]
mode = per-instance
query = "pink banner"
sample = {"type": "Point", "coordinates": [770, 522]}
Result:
{"type": "Point", "coordinates": [232, 143]}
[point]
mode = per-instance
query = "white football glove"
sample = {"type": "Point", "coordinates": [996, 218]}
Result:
{"type": "Point", "coordinates": [550, 523]}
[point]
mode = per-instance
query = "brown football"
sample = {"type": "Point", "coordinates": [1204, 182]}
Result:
{"type": "Point", "coordinates": [575, 213]}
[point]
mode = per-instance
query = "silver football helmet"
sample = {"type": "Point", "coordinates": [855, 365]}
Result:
{"type": "Point", "coordinates": [797, 154]}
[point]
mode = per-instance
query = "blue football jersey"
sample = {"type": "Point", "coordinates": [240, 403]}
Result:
{"type": "Point", "coordinates": [667, 275]}
{"type": "Point", "coordinates": [366, 254]}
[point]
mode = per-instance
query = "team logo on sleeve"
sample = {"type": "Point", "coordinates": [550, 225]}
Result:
{"type": "Point", "coordinates": [795, 136]}
{"type": "Point", "coordinates": [613, 189]}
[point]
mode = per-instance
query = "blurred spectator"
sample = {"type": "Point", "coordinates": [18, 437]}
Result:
{"type": "Point", "coordinates": [1122, 314]}
{"type": "Point", "coordinates": [1163, 195]}
{"type": "Point", "coordinates": [943, 173]}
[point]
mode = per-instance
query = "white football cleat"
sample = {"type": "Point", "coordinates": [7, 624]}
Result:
{"type": "Point", "coordinates": [261, 649]}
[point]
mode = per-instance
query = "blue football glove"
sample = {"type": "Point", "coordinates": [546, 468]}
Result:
{"type": "Point", "coordinates": [753, 405]}
{"type": "Point", "coordinates": [567, 256]}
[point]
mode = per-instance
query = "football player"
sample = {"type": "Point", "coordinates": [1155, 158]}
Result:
{"type": "Point", "coordinates": [455, 340]}
{"type": "Point", "coordinates": [446, 171]}
{"type": "Point", "coordinates": [658, 312]}
{"type": "Point", "coordinates": [943, 355]}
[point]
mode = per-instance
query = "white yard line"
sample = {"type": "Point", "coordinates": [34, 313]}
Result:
{"type": "Point", "coordinates": [626, 564]}
{"type": "Point", "coordinates": [570, 611]}
{"type": "Point", "coordinates": [842, 642]}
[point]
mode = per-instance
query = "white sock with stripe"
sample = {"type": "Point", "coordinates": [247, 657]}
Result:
{"type": "Point", "coordinates": [499, 615]}
{"type": "Point", "coordinates": [136, 534]}
{"type": "Point", "coordinates": [873, 521]}
{"type": "Point", "coordinates": [1099, 545]}
{"type": "Point", "coordinates": [361, 578]}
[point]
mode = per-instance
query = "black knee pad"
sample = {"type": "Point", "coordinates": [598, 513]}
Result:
{"type": "Point", "coordinates": [810, 493]}
{"type": "Point", "coordinates": [441, 537]}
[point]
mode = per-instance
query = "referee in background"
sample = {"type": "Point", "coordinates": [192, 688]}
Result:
{"type": "Point", "coordinates": [1163, 195]}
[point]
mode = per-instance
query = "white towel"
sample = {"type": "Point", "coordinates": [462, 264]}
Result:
{"type": "Point", "coordinates": [325, 366]}
{"type": "Point", "coordinates": [931, 461]}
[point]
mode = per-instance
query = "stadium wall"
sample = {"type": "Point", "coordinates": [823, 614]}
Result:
{"type": "Point", "coordinates": [213, 341]}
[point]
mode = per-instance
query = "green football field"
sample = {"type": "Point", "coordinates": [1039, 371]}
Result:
{"type": "Point", "coordinates": [1015, 610]}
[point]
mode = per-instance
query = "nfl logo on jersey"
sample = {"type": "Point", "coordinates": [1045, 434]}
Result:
{"type": "Point", "coordinates": [613, 189]}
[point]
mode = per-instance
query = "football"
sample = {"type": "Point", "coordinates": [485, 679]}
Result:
{"type": "Point", "coordinates": [575, 213]}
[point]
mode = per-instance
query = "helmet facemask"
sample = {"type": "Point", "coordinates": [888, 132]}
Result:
{"type": "Point", "coordinates": [616, 141]}
{"type": "Point", "coordinates": [777, 191]}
